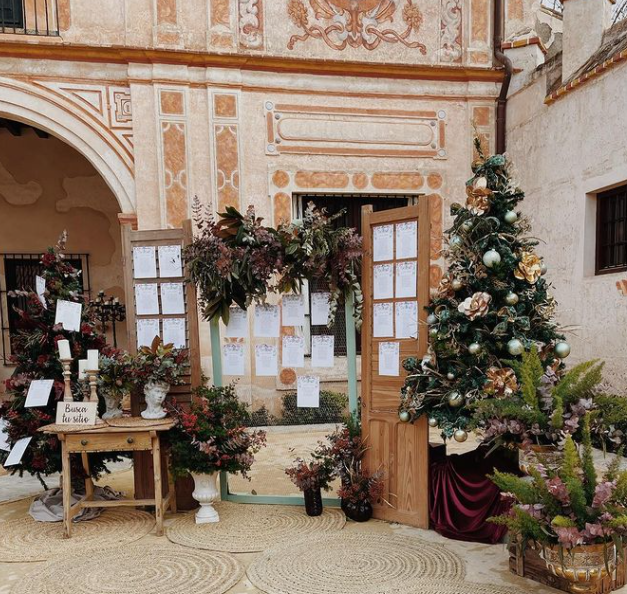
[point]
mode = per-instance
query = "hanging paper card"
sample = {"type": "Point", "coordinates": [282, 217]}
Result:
{"type": "Point", "coordinates": [382, 320]}
{"type": "Point", "coordinates": [233, 359]}
{"type": "Point", "coordinates": [308, 391]}
{"type": "Point", "coordinates": [4, 438]}
{"type": "Point", "coordinates": [174, 332]}
{"type": "Point", "coordinates": [38, 393]}
{"type": "Point", "coordinates": [322, 349]}
{"type": "Point", "coordinates": [267, 321]}
{"type": "Point", "coordinates": [383, 281]}
{"type": "Point", "coordinates": [147, 329]}
{"type": "Point", "coordinates": [40, 287]}
{"type": "Point", "coordinates": [76, 413]}
{"type": "Point", "coordinates": [389, 358]}
{"type": "Point", "coordinates": [172, 299]}
{"type": "Point", "coordinates": [406, 279]}
{"type": "Point", "coordinates": [293, 351]}
{"type": "Point", "coordinates": [144, 262]}
{"type": "Point", "coordinates": [238, 323]}
{"type": "Point", "coordinates": [383, 243]}
{"type": "Point", "coordinates": [265, 360]}
{"type": "Point", "coordinates": [68, 314]}
{"type": "Point", "coordinates": [16, 453]}
{"type": "Point", "coordinates": [293, 310]}
{"type": "Point", "coordinates": [146, 299]}
{"type": "Point", "coordinates": [407, 240]}
{"type": "Point", "coordinates": [170, 261]}
{"type": "Point", "coordinates": [406, 319]}
{"type": "Point", "coordinates": [320, 309]}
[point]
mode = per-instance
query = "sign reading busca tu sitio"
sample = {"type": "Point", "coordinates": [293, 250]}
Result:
{"type": "Point", "coordinates": [76, 413]}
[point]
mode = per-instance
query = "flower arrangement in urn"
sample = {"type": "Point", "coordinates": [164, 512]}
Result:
{"type": "Point", "coordinates": [576, 520]}
{"type": "Point", "coordinates": [311, 477]}
{"type": "Point", "coordinates": [210, 437]}
{"type": "Point", "coordinates": [158, 367]}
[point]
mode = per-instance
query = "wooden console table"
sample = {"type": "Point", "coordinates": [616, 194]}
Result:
{"type": "Point", "coordinates": [106, 438]}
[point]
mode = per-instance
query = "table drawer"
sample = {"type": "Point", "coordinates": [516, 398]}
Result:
{"type": "Point", "coordinates": [112, 442]}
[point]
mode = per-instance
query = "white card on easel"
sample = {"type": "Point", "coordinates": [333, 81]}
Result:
{"type": "Point", "coordinates": [382, 320]}
{"type": "Point", "coordinates": [174, 332]}
{"type": "Point", "coordinates": [406, 240]}
{"type": "Point", "coordinates": [267, 321]}
{"type": "Point", "coordinates": [320, 307]}
{"type": "Point", "coordinates": [144, 262]}
{"type": "Point", "coordinates": [308, 391]}
{"type": "Point", "coordinates": [38, 393]}
{"type": "Point", "coordinates": [383, 281]}
{"type": "Point", "coordinates": [238, 323]}
{"type": "Point", "coordinates": [147, 329]}
{"type": "Point", "coordinates": [293, 351]}
{"type": "Point", "coordinates": [146, 299]}
{"type": "Point", "coordinates": [170, 261]}
{"type": "Point", "coordinates": [322, 350]}
{"type": "Point", "coordinates": [383, 243]}
{"type": "Point", "coordinates": [17, 452]}
{"type": "Point", "coordinates": [233, 362]}
{"type": "Point", "coordinates": [293, 310]}
{"type": "Point", "coordinates": [172, 299]}
{"type": "Point", "coordinates": [389, 358]}
{"type": "Point", "coordinates": [266, 364]}
{"type": "Point", "coordinates": [68, 314]}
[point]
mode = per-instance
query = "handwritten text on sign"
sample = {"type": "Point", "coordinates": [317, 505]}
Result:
{"type": "Point", "coordinates": [76, 413]}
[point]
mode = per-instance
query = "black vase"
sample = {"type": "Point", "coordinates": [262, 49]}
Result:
{"type": "Point", "coordinates": [313, 502]}
{"type": "Point", "coordinates": [358, 512]}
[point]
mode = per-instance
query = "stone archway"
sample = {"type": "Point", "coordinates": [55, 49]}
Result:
{"type": "Point", "coordinates": [50, 111]}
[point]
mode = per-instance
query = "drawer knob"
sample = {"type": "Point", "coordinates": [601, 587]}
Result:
{"type": "Point", "coordinates": [84, 442]}
{"type": "Point", "coordinates": [130, 440]}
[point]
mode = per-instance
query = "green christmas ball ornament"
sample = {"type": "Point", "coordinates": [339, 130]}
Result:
{"type": "Point", "coordinates": [491, 258]}
{"type": "Point", "coordinates": [433, 422]}
{"type": "Point", "coordinates": [432, 319]}
{"type": "Point", "coordinates": [403, 416]}
{"type": "Point", "coordinates": [456, 241]}
{"type": "Point", "coordinates": [460, 436]}
{"type": "Point", "coordinates": [515, 347]}
{"type": "Point", "coordinates": [543, 269]}
{"type": "Point", "coordinates": [511, 298]}
{"type": "Point", "coordinates": [450, 376]}
{"type": "Point", "coordinates": [562, 349]}
{"type": "Point", "coordinates": [474, 348]}
{"type": "Point", "coordinates": [511, 217]}
{"type": "Point", "coordinates": [455, 399]}
{"type": "Point", "coordinates": [456, 284]}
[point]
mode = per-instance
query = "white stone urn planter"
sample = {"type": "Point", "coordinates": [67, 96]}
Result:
{"type": "Point", "coordinates": [155, 393]}
{"type": "Point", "coordinates": [206, 493]}
{"type": "Point", "coordinates": [113, 403]}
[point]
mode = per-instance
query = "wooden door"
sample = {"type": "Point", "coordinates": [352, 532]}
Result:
{"type": "Point", "coordinates": [399, 449]}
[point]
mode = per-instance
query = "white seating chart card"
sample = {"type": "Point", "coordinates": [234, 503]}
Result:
{"type": "Point", "coordinates": [147, 329]}
{"type": "Point", "coordinates": [266, 364]}
{"type": "Point", "coordinates": [170, 261]}
{"type": "Point", "coordinates": [238, 323]}
{"type": "Point", "coordinates": [293, 351]}
{"type": "Point", "coordinates": [322, 348]}
{"type": "Point", "coordinates": [144, 262]}
{"type": "Point", "coordinates": [320, 309]}
{"type": "Point", "coordinates": [382, 320]}
{"type": "Point", "coordinates": [406, 319]}
{"type": "Point", "coordinates": [308, 391]}
{"type": "Point", "coordinates": [293, 310]}
{"type": "Point", "coordinates": [383, 243]}
{"type": "Point", "coordinates": [68, 314]}
{"type": "Point", "coordinates": [174, 332]}
{"type": "Point", "coordinates": [38, 393]}
{"type": "Point", "coordinates": [4, 438]}
{"type": "Point", "coordinates": [40, 289]}
{"type": "Point", "coordinates": [267, 321]}
{"type": "Point", "coordinates": [172, 299]}
{"type": "Point", "coordinates": [407, 240]}
{"type": "Point", "coordinates": [406, 279]}
{"type": "Point", "coordinates": [389, 358]}
{"type": "Point", "coordinates": [146, 299]}
{"type": "Point", "coordinates": [383, 281]}
{"type": "Point", "coordinates": [233, 362]}
{"type": "Point", "coordinates": [17, 452]}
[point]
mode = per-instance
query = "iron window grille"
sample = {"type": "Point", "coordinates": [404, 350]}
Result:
{"type": "Point", "coordinates": [29, 17]}
{"type": "Point", "coordinates": [611, 237]}
{"type": "Point", "coordinates": [18, 272]}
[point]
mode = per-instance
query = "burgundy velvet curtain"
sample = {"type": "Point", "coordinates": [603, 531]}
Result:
{"type": "Point", "coordinates": [463, 497]}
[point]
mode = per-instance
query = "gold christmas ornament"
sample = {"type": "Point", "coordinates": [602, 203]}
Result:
{"type": "Point", "coordinates": [501, 382]}
{"type": "Point", "coordinates": [529, 268]}
{"type": "Point", "coordinates": [445, 288]}
{"type": "Point", "coordinates": [478, 199]}
{"type": "Point", "coordinates": [455, 399]}
{"type": "Point", "coordinates": [475, 306]}
{"type": "Point", "coordinates": [433, 422]}
{"type": "Point", "coordinates": [460, 436]}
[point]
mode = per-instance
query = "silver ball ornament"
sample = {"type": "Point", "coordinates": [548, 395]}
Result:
{"type": "Point", "coordinates": [474, 348]}
{"type": "Point", "coordinates": [456, 284]}
{"type": "Point", "coordinates": [455, 399]}
{"type": "Point", "coordinates": [543, 269]}
{"type": "Point", "coordinates": [456, 241]}
{"type": "Point", "coordinates": [450, 376]}
{"type": "Point", "coordinates": [432, 319]}
{"type": "Point", "coordinates": [511, 217]}
{"type": "Point", "coordinates": [511, 298]}
{"type": "Point", "coordinates": [403, 416]}
{"type": "Point", "coordinates": [433, 332]}
{"type": "Point", "coordinates": [515, 347]}
{"type": "Point", "coordinates": [433, 422]}
{"type": "Point", "coordinates": [466, 226]}
{"type": "Point", "coordinates": [562, 349]}
{"type": "Point", "coordinates": [481, 183]}
{"type": "Point", "coordinates": [460, 436]}
{"type": "Point", "coordinates": [491, 258]}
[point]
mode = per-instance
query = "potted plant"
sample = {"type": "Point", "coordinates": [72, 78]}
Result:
{"type": "Point", "coordinates": [157, 368]}
{"type": "Point", "coordinates": [359, 492]}
{"type": "Point", "coordinates": [210, 437]}
{"type": "Point", "coordinates": [576, 520]}
{"type": "Point", "coordinates": [311, 477]}
{"type": "Point", "coordinates": [115, 380]}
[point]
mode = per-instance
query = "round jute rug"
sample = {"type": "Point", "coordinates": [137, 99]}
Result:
{"type": "Point", "coordinates": [353, 563]}
{"type": "Point", "coordinates": [458, 587]}
{"type": "Point", "coordinates": [248, 528]}
{"type": "Point", "coordinates": [137, 569]}
{"type": "Point", "coordinates": [27, 540]}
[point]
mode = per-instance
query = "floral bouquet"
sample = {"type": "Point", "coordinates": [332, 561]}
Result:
{"type": "Point", "coordinates": [160, 363]}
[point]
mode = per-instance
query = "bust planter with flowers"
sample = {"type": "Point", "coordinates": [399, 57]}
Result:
{"type": "Point", "coordinates": [212, 436]}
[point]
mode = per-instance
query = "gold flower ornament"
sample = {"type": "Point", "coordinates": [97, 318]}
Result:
{"type": "Point", "coordinates": [529, 268]}
{"type": "Point", "coordinates": [476, 306]}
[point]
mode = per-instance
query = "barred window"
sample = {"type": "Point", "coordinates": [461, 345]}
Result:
{"type": "Point", "coordinates": [11, 14]}
{"type": "Point", "coordinates": [611, 241]}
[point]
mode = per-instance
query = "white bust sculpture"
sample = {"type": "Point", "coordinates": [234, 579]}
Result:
{"type": "Point", "coordinates": [155, 393]}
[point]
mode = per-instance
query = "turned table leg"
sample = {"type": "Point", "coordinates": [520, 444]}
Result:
{"type": "Point", "coordinates": [89, 484]}
{"type": "Point", "coordinates": [156, 462]}
{"type": "Point", "coordinates": [67, 491]}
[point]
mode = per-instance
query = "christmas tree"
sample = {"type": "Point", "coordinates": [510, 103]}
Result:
{"type": "Point", "coordinates": [492, 305]}
{"type": "Point", "coordinates": [35, 355]}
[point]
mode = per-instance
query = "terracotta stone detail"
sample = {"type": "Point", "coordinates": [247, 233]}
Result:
{"type": "Point", "coordinates": [484, 140]}
{"type": "Point", "coordinates": [435, 240]}
{"type": "Point", "coordinates": [321, 179]}
{"type": "Point", "coordinates": [434, 181]}
{"type": "Point", "coordinates": [360, 180]}
{"type": "Point", "coordinates": [451, 31]}
{"type": "Point", "coordinates": [435, 275]}
{"type": "Point", "coordinates": [128, 219]}
{"type": "Point", "coordinates": [280, 179]}
{"type": "Point", "coordinates": [174, 172]}
{"type": "Point", "coordinates": [250, 24]}
{"type": "Point", "coordinates": [287, 376]}
{"type": "Point", "coordinates": [224, 106]}
{"type": "Point", "coordinates": [622, 287]}
{"type": "Point", "coordinates": [480, 20]}
{"type": "Point", "coordinates": [220, 12]}
{"type": "Point", "coordinates": [397, 181]}
{"type": "Point", "coordinates": [221, 33]}
{"type": "Point", "coordinates": [282, 208]}
{"type": "Point", "coordinates": [166, 12]}
{"type": "Point", "coordinates": [515, 10]}
{"type": "Point", "coordinates": [172, 103]}
{"type": "Point", "coordinates": [64, 14]}
{"type": "Point", "coordinates": [227, 165]}
{"type": "Point", "coordinates": [481, 116]}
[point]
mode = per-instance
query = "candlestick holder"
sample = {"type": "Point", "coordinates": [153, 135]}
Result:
{"type": "Point", "coordinates": [92, 374]}
{"type": "Point", "coordinates": [67, 378]}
